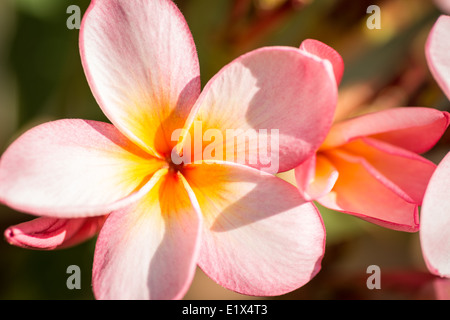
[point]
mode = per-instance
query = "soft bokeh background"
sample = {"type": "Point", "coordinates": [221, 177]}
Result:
{"type": "Point", "coordinates": [41, 79]}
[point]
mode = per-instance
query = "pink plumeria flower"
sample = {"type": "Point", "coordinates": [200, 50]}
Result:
{"type": "Point", "coordinates": [247, 229]}
{"type": "Point", "coordinates": [435, 213]}
{"type": "Point", "coordinates": [369, 166]}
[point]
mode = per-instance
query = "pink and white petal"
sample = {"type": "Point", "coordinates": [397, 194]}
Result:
{"type": "Point", "coordinates": [443, 5]}
{"type": "Point", "coordinates": [437, 49]}
{"type": "Point", "coordinates": [316, 177]}
{"type": "Point", "coordinates": [142, 66]}
{"type": "Point", "coordinates": [73, 169]}
{"type": "Point", "coordinates": [407, 170]}
{"type": "Point", "coordinates": [435, 221]}
{"type": "Point", "coordinates": [413, 128]}
{"type": "Point", "coordinates": [326, 52]}
{"type": "Point", "coordinates": [363, 192]}
{"type": "Point", "coordinates": [51, 233]}
{"type": "Point", "coordinates": [250, 219]}
{"type": "Point", "coordinates": [149, 250]}
{"type": "Point", "coordinates": [270, 105]}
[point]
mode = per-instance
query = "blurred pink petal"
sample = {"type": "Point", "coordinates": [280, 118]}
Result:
{"type": "Point", "coordinates": [435, 221]}
{"type": "Point", "coordinates": [442, 288]}
{"type": "Point", "coordinates": [52, 233]}
{"type": "Point", "coordinates": [444, 5]}
{"type": "Point", "coordinates": [437, 49]}
{"type": "Point", "coordinates": [260, 237]}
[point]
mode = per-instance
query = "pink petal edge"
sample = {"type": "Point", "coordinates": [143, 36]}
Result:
{"type": "Point", "coordinates": [326, 52]}
{"type": "Point", "coordinates": [416, 129]}
{"type": "Point", "coordinates": [435, 221]}
{"type": "Point", "coordinates": [51, 233]}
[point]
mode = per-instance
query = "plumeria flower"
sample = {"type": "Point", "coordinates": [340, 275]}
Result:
{"type": "Point", "coordinates": [435, 212]}
{"type": "Point", "coordinates": [369, 166]}
{"type": "Point", "coordinates": [247, 229]}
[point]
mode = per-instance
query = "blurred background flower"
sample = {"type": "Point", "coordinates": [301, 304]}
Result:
{"type": "Point", "coordinates": [41, 79]}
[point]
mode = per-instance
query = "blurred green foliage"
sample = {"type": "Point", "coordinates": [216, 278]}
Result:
{"type": "Point", "coordinates": [41, 79]}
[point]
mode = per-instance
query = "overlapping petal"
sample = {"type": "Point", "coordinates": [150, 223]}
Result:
{"type": "Point", "coordinates": [149, 250]}
{"type": "Point", "coordinates": [407, 172]}
{"type": "Point", "coordinates": [316, 177]}
{"type": "Point", "coordinates": [377, 181]}
{"type": "Point", "coordinates": [278, 90]}
{"type": "Point", "coordinates": [361, 190]}
{"type": "Point", "coordinates": [435, 221]}
{"type": "Point", "coordinates": [368, 166]}
{"type": "Point", "coordinates": [51, 233]}
{"type": "Point", "coordinates": [413, 128]}
{"type": "Point", "coordinates": [141, 64]}
{"type": "Point", "coordinates": [260, 237]}
{"type": "Point", "coordinates": [73, 168]}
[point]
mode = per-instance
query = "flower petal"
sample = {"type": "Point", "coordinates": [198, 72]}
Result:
{"type": "Point", "coordinates": [316, 177]}
{"type": "Point", "coordinates": [435, 221]}
{"type": "Point", "coordinates": [441, 286]}
{"type": "Point", "coordinates": [413, 128]}
{"type": "Point", "coordinates": [326, 52]}
{"type": "Point", "coordinates": [141, 64]}
{"type": "Point", "coordinates": [443, 5]}
{"type": "Point", "coordinates": [304, 175]}
{"type": "Point", "coordinates": [407, 170]}
{"type": "Point", "coordinates": [260, 236]}
{"type": "Point", "coordinates": [73, 169]}
{"type": "Point", "coordinates": [52, 233]}
{"type": "Point", "coordinates": [149, 250]}
{"type": "Point", "coordinates": [437, 49]}
{"type": "Point", "coordinates": [363, 192]}
{"type": "Point", "coordinates": [278, 90]}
